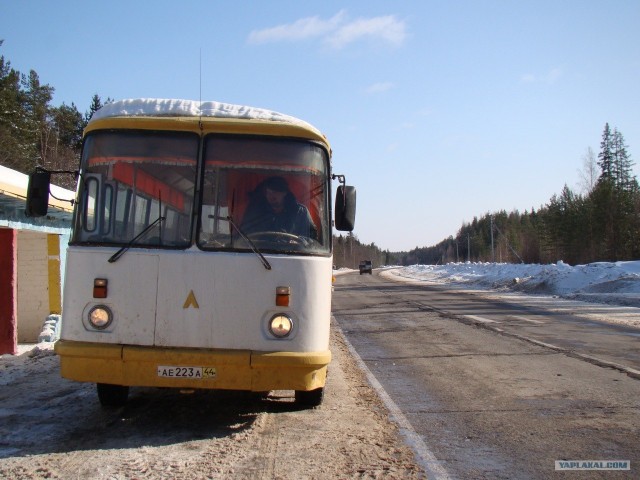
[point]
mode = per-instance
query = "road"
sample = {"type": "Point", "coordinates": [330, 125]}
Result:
{"type": "Point", "coordinates": [497, 387]}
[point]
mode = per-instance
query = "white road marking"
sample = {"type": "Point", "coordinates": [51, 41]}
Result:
{"type": "Point", "coordinates": [481, 319]}
{"type": "Point", "coordinates": [424, 456]}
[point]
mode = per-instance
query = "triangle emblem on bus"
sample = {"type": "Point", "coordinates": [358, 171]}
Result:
{"type": "Point", "coordinates": [191, 301]}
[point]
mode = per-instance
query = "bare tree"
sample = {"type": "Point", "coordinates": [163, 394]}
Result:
{"type": "Point", "coordinates": [589, 173]}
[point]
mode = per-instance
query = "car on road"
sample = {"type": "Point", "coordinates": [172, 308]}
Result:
{"type": "Point", "coordinates": [366, 267]}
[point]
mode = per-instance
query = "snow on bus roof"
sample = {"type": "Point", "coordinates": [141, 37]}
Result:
{"type": "Point", "coordinates": [154, 107]}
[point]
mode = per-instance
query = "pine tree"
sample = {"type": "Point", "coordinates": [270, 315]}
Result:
{"type": "Point", "coordinates": [36, 105]}
{"type": "Point", "coordinates": [96, 104]}
{"type": "Point", "coordinates": [13, 125]}
{"type": "Point", "coordinates": [623, 165]}
{"type": "Point", "coordinates": [605, 157]}
{"type": "Point", "coordinates": [32, 132]}
{"type": "Point", "coordinates": [69, 124]}
{"type": "Point", "coordinates": [64, 153]}
{"type": "Point", "coordinates": [615, 198]}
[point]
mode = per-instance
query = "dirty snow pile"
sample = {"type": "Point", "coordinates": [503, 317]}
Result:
{"type": "Point", "coordinates": [615, 283]}
{"type": "Point", "coordinates": [29, 361]}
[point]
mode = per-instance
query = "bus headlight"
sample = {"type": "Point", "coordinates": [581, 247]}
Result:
{"type": "Point", "coordinates": [100, 317]}
{"type": "Point", "coordinates": [280, 325]}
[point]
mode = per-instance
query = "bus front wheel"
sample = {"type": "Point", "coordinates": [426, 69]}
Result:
{"type": "Point", "coordinates": [112, 395]}
{"type": "Point", "coordinates": [311, 398]}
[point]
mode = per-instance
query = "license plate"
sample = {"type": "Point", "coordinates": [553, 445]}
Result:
{"type": "Point", "coordinates": [173, 371]}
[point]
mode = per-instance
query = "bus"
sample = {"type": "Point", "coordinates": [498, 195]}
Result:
{"type": "Point", "coordinates": [201, 250]}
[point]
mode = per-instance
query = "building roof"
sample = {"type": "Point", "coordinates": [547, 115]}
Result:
{"type": "Point", "coordinates": [13, 195]}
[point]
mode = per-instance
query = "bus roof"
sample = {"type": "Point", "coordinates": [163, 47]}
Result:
{"type": "Point", "coordinates": [207, 112]}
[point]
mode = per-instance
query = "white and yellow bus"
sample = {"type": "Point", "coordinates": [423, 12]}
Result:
{"type": "Point", "coordinates": [182, 269]}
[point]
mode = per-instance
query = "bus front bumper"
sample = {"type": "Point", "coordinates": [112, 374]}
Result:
{"type": "Point", "coordinates": [192, 368]}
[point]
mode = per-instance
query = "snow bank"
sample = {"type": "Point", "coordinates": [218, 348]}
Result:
{"type": "Point", "coordinates": [25, 363]}
{"type": "Point", "coordinates": [602, 282]}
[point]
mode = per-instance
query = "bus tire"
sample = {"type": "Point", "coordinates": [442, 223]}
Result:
{"type": "Point", "coordinates": [309, 399]}
{"type": "Point", "coordinates": [112, 395]}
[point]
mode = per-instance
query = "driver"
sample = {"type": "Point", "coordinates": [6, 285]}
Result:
{"type": "Point", "coordinates": [273, 208]}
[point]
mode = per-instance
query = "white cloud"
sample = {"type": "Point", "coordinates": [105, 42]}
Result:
{"type": "Point", "coordinates": [336, 32]}
{"type": "Point", "coordinates": [549, 78]}
{"type": "Point", "coordinates": [553, 75]}
{"type": "Point", "coordinates": [379, 87]}
{"type": "Point", "coordinates": [308, 27]}
{"type": "Point", "coordinates": [387, 28]}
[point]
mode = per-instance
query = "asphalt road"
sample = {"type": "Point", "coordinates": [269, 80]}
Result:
{"type": "Point", "coordinates": [498, 387]}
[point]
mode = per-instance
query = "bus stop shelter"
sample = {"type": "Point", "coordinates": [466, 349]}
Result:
{"type": "Point", "coordinates": [32, 252]}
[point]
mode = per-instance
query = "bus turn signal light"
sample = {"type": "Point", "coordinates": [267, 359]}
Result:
{"type": "Point", "coordinates": [100, 288]}
{"type": "Point", "coordinates": [282, 296]}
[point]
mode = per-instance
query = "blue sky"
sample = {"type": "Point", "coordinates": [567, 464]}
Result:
{"type": "Point", "coordinates": [437, 111]}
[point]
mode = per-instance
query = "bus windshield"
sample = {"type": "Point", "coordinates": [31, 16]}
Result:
{"type": "Point", "coordinates": [267, 193]}
{"type": "Point", "coordinates": [132, 178]}
{"type": "Point", "coordinates": [138, 189]}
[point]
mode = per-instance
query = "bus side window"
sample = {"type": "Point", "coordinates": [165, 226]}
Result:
{"type": "Point", "coordinates": [91, 199]}
{"type": "Point", "coordinates": [107, 208]}
{"type": "Point", "coordinates": [142, 210]}
{"type": "Point", "coordinates": [169, 227]}
{"type": "Point", "coordinates": [123, 206]}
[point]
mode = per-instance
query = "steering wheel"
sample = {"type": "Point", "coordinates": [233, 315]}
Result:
{"type": "Point", "coordinates": [278, 237]}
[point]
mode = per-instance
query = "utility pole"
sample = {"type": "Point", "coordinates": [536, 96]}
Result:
{"type": "Point", "coordinates": [468, 249]}
{"type": "Point", "coordinates": [493, 253]}
{"type": "Point", "coordinates": [353, 261]}
{"type": "Point", "coordinates": [345, 251]}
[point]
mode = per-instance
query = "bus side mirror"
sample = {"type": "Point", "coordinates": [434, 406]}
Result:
{"type": "Point", "coordinates": [38, 194]}
{"type": "Point", "coordinates": [345, 211]}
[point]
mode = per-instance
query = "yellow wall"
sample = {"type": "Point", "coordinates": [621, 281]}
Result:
{"type": "Point", "coordinates": [53, 250]}
{"type": "Point", "coordinates": [39, 289]}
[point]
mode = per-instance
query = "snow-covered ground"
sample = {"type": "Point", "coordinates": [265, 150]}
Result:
{"type": "Point", "coordinates": [611, 283]}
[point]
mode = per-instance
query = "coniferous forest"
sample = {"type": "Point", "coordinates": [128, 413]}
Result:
{"type": "Point", "coordinates": [599, 223]}
{"type": "Point", "coordinates": [35, 133]}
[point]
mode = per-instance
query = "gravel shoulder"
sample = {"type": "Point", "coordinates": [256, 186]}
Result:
{"type": "Point", "coordinates": [54, 428]}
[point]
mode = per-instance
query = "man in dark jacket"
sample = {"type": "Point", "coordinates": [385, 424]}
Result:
{"type": "Point", "coordinates": [273, 208]}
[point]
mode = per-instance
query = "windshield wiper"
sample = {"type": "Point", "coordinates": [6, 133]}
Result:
{"type": "Point", "coordinates": [254, 249]}
{"type": "Point", "coordinates": [133, 241]}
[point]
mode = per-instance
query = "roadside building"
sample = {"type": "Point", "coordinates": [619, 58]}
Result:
{"type": "Point", "coordinates": [32, 252]}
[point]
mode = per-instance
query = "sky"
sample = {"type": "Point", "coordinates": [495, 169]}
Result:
{"type": "Point", "coordinates": [437, 111]}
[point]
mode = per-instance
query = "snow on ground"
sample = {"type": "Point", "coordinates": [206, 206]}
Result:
{"type": "Point", "coordinates": [616, 285]}
{"type": "Point", "coordinates": [599, 282]}
{"type": "Point", "coordinates": [25, 363]}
